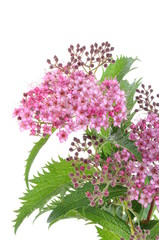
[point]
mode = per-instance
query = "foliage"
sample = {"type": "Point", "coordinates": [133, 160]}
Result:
{"type": "Point", "coordinates": [77, 199]}
{"type": "Point", "coordinates": [114, 214]}
{"type": "Point", "coordinates": [32, 155]}
{"type": "Point", "coordinates": [44, 186]}
{"type": "Point", "coordinates": [118, 69]}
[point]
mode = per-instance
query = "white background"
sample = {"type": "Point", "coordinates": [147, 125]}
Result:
{"type": "Point", "coordinates": [32, 31]}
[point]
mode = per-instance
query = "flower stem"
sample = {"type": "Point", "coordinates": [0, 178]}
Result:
{"type": "Point", "coordinates": [130, 221]}
{"type": "Point", "coordinates": [150, 211]}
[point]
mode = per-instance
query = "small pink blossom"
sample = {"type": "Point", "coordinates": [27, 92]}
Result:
{"type": "Point", "coordinates": [145, 199]}
{"type": "Point", "coordinates": [62, 135]}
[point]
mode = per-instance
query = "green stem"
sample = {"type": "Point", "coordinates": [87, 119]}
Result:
{"type": "Point", "coordinates": [118, 204]}
{"type": "Point", "coordinates": [130, 221]}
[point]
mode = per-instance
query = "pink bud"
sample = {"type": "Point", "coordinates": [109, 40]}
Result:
{"type": "Point", "coordinates": [94, 181]}
{"type": "Point", "coordinates": [132, 126]}
{"type": "Point", "coordinates": [76, 185]}
{"type": "Point", "coordinates": [105, 167]}
{"type": "Point", "coordinates": [117, 109]}
{"type": "Point", "coordinates": [97, 156]}
{"type": "Point", "coordinates": [157, 157]}
{"type": "Point", "coordinates": [108, 160]}
{"type": "Point", "coordinates": [100, 202]}
{"type": "Point", "coordinates": [138, 185]}
{"type": "Point", "coordinates": [88, 194]}
{"type": "Point", "coordinates": [92, 203]}
{"type": "Point", "coordinates": [106, 193]}
{"type": "Point", "coordinates": [95, 174]}
{"type": "Point", "coordinates": [88, 167]}
{"type": "Point", "coordinates": [74, 180]}
{"type": "Point", "coordinates": [101, 180]}
{"type": "Point", "coordinates": [111, 114]}
{"type": "Point", "coordinates": [96, 187]}
{"type": "Point", "coordinates": [82, 168]}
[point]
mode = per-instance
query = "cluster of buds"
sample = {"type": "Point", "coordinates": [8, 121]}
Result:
{"type": "Point", "coordinates": [89, 169]}
{"type": "Point", "coordinates": [84, 165]}
{"type": "Point", "coordinates": [139, 234]}
{"type": "Point", "coordinates": [89, 61]}
{"type": "Point", "coordinates": [146, 100]}
{"type": "Point", "coordinates": [100, 173]}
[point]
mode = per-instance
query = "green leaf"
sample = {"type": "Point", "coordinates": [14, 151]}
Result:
{"type": "Point", "coordinates": [91, 131]}
{"type": "Point", "coordinates": [105, 133]}
{"type": "Point", "coordinates": [107, 221]}
{"type": "Point", "coordinates": [136, 206]}
{"type": "Point", "coordinates": [115, 210]}
{"type": "Point", "coordinates": [144, 212]}
{"type": "Point", "coordinates": [33, 153]}
{"type": "Point", "coordinates": [77, 199]}
{"type": "Point", "coordinates": [45, 186]}
{"type": "Point", "coordinates": [46, 208]}
{"type": "Point", "coordinates": [130, 90]}
{"type": "Point", "coordinates": [107, 149]}
{"type": "Point", "coordinates": [106, 234]}
{"type": "Point", "coordinates": [153, 226]}
{"type": "Point", "coordinates": [122, 140]}
{"type": "Point", "coordinates": [118, 69]}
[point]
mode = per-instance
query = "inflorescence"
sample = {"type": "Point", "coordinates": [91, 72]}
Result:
{"type": "Point", "coordinates": [69, 99]}
{"type": "Point", "coordinates": [70, 103]}
{"type": "Point", "coordinates": [89, 61]}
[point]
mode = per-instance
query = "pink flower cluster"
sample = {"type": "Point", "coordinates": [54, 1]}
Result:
{"type": "Point", "coordinates": [146, 178]}
{"type": "Point", "coordinates": [140, 178]}
{"type": "Point", "coordinates": [69, 103]}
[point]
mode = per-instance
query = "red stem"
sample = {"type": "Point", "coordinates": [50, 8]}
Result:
{"type": "Point", "coordinates": [150, 211]}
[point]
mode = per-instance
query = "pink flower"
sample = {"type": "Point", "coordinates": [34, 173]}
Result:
{"type": "Point", "coordinates": [62, 135]}
{"type": "Point", "coordinates": [134, 193]}
{"type": "Point", "coordinates": [47, 129]}
{"type": "Point", "coordinates": [157, 201]}
{"type": "Point", "coordinates": [105, 167]}
{"type": "Point", "coordinates": [145, 199]}
{"type": "Point", "coordinates": [71, 103]}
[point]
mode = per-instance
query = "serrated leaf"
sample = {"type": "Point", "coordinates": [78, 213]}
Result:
{"type": "Point", "coordinates": [153, 226]}
{"type": "Point", "coordinates": [107, 149]}
{"type": "Point", "coordinates": [44, 187]}
{"type": "Point", "coordinates": [105, 133]}
{"type": "Point", "coordinates": [122, 140]}
{"type": "Point", "coordinates": [77, 199]}
{"type": "Point", "coordinates": [32, 155]}
{"type": "Point", "coordinates": [130, 90]}
{"type": "Point", "coordinates": [106, 234]}
{"type": "Point", "coordinates": [107, 221]}
{"type": "Point", "coordinates": [118, 69]}
{"type": "Point", "coordinates": [45, 209]}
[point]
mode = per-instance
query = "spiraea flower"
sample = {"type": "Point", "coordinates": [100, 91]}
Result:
{"type": "Point", "coordinates": [71, 103]}
{"type": "Point", "coordinates": [146, 136]}
{"type": "Point", "coordinates": [115, 171]}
